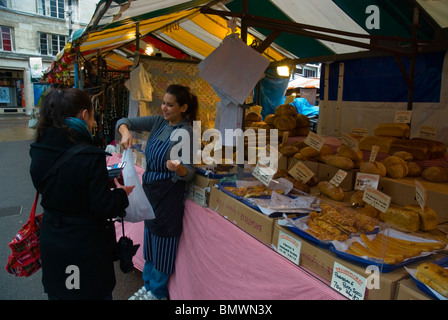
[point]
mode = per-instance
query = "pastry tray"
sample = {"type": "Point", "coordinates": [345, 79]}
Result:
{"type": "Point", "coordinates": [443, 262]}
{"type": "Point", "coordinates": [304, 234]}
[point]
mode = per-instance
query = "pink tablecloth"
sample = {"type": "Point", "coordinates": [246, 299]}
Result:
{"type": "Point", "coordinates": [218, 261]}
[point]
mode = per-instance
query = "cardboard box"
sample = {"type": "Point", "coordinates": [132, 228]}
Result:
{"type": "Point", "coordinates": [320, 261]}
{"type": "Point", "coordinates": [198, 189]}
{"type": "Point", "coordinates": [402, 192]}
{"type": "Point", "coordinates": [408, 290]}
{"type": "Point", "coordinates": [312, 165]}
{"type": "Point", "coordinates": [251, 221]}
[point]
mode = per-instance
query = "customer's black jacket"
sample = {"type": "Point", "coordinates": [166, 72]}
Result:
{"type": "Point", "coordinates": [77, 201]}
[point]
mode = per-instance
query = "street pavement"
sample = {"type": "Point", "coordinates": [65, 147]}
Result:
{"type": "Point", "coordinates": [16, 199]}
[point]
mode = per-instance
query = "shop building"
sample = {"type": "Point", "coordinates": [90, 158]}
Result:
{"type": "Point", "coordinates": [33, 32]}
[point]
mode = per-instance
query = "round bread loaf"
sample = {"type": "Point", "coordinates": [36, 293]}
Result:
{"type": "Point", "coordinates": [339, 162]}
{"type": "Point", "coordinates": [252, 116]}
{"type": "Point", "coordinates": [396, 167]}
{"type": "Point", "coordinates": [285, 122]}
{"type": "Point", "coordinates": [286, 110]}
{"type": "Point", "coordinates": [302, 120]}
{"type": "Point", "coordinates": [435, 174]}
{"type": "Point", "coordinates": [269, 119]}
{"type": "Point", "coordinates": [373, 168]}
{"type": "Point", "coordinates": [414, 169]}
{"type": "Point", "coordinates": [304, 131]}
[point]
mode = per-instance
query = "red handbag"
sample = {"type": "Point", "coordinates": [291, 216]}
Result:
{"type": "Point", "coordinates": [25, 257]}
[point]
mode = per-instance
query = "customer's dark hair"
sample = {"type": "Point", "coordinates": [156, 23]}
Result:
{"type": "Point", "coordinates": [59, 104]}
{"type": "Point", "coordinates": [184, 96]}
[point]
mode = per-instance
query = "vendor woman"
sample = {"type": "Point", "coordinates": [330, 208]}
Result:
{"type": "Point", "coordinates": [164, 184]}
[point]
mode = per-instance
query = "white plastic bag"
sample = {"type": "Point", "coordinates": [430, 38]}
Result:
{"type": "Point", "coordinates": [139, 208]}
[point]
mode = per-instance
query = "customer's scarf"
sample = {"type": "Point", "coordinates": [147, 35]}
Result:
{"type": "Point", "coordinates": [79, 125]}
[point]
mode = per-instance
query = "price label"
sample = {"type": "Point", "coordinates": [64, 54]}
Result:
{"type": "Point", "coordinates": [403, 116]}
{"type": "Point", "coordinates": [315, 141]}
{"type": "Point", "coordinates": [373, 153]}
{"type": "Point", "coordinates": [350, 142]}
{"type": "Point", "coordinates": [348, 283]}
{"type": "Point", "coordinates": [376, 199]}
{"type": "Point", "coordinates": [301, 172]}
{"type": "Point", "coordinates": [420, 194]}
{"type": "Point", "coordinates": [289, 247]}
{"type": "Point", "coordinates": [263, 173]}
{"type": "Point", "coordinates": [427, 132]}
{"type": "Point", "coordinates": [366, 179]}
{"type": "Point", "coordinates": [338, 177]}
{"type": "Point", "coordinates": [359, 132]}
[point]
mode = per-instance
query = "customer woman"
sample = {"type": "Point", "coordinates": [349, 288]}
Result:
{"type": "Point", "coordinates": [75, 242]}
{"type": "Point", "coordinates": [164, 185]}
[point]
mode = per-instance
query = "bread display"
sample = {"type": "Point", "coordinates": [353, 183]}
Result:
{"type": "Point", "coordinates": [339, 162]}
{"type": "Point", "coordinates": [366, 143]}
{"type": "Point", "coordinates": [414, 169]}
{"type": "Point", "coordinates": [373, 168]}
{"type": "Point", "coordinates": [435, 174]}
{"type": "Point", "coordinates": [396, 167]}
{"type": "Point", "coordinates": [285, 122]}
{"type": "Point", "coordinates": [401, 218]}
{"type": "Point", "coordinates": [347, 152]}
{"type": "Point", "coordinates": [401, 130]}
{"type": "Point", "coordinates": [302, 120]}
{"type": "Point", "coordinates": [421, 149]}
{"type": "Point", "coordinates": [331, 191]}
{"type": "Point", "coordinates": [285, 110]}
{"type": "Point", "coordinates": [428, 217]}
{"type": "Point", "coordinates": [433, 276]}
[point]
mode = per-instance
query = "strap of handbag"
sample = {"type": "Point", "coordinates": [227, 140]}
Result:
{"type": "Point", "coordinates": [67, 154]}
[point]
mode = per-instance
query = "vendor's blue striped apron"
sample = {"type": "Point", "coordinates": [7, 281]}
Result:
{"type": "Point", "coordinates": [160, 250]}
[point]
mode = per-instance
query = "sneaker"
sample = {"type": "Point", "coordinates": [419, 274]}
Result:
{"type": "Point", "coordinates": [139, 294]}
{"type": "Point", "coordinates": [150, 296]}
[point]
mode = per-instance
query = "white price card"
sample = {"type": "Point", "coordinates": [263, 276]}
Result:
{"type": "Point", "coordinates": [403, 116]}
{"type": "Point", "coordinates": [301, 172]}
{"type": "Point", "coordinates": [350, 142]}
{"type": "Point", "coordinates": [427, 132]}
{"type": "Point", "coordinates": [338, 177]}
{"type": "Point", "coordinates": [376, 199]}
{"type": "Point", "coordinates": [420, 194]}
{"type": "Point", "coordinates": [359, 132]}
{"type": "Point", "coordinates": [315, 141]}
{"type": "Point", "coordinates": [263, 173]}
{"type": "Point", "coordinates": [374, 153]}
{"type": "Point", "coordinates": [348, 283]}
{"type": "Point", "coordinates": [289, 247]}
{"type": "Point", "coordinates": [366, 179]}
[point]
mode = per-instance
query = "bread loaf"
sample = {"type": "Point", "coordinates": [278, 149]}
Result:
{"type": "Point", "coordinates": [285, 122]}
{"type": "Point", "coordinates": [330, 190]}
{"type": "Point", "coordinates": [345, 151]}
{"type": "Point", "coordinates": [373, 168]}
{"type": "Point", "coordinates": [286, 110]}
{"type": "Point", "coordinates": [401, 219]}
{"type": "Point", "coordinates": [396, 167]}
{"type": "Point", "coordinates": [288, 151]}
{"type": "Point", "coordinates": [252, 116]}
{"type": "Point", "coordinates": [421, 149]}
{"type": "Point", "coordinates": [406, 156]}
{"type": "Point", "coordinates": [302, 120]}
{"type": "Point", "coordinates": [433, 276]}
{"type": "Point", "coordinates": [339, 162]}
{"type": "Point", "coordinates": [428, 217]}
{"type": "Point", "coordinates": [269, 119]}
{"type": "Point", "coordinates": [437, 149]}
{"type": "Point", "coordinates": [435, 174]}
{"type": "Point", "coordinates": [414, 169]}
{"type": "Point", "coordinates": [401, 130]}
{"type": "Point", "coordinates": [300, 132]}
{"type": "Point", "coordinates": [356, 199]}
{"type": "Point", "coordinates": [383, 143]}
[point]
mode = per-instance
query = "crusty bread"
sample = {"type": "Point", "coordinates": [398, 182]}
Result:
{"type": "Point", "coordinates": [396, 167]}
{"type": "Point", "coordinates": [383, 143]}
{"type": "Point", "coordinates": [302, 120]}
{"type": "Point", "coordinates": [373, 168]}
{"type": "Point", "coordinates": [345, 151]}
{"type": "Point", "coordinates": [339, 162]}
{"type": "Point", "coordinates": [428, 217]}
{"type": "Point", "coordinates": [285, 109]}
{"type": "Point", "coordinates": [435, 174]}
{"type": "Point", "coordinates": [285, 122]}
{"type": "Point", "coordinates": [433, 276]}
{"type": "Point", "coordinates": [401, 130]}
{"type": "Point", "coordinates": [330, 190]}
{"type": "Point", "coordinates": [401, 219]}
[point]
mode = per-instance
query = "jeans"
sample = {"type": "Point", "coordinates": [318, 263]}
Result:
{"type": "Point", "coordinates": [155, 281]}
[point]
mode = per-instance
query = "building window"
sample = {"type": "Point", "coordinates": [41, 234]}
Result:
{"type": "Point", "coordinates": [4, 3]}
{"type": "Point", "coordinates": [56, 8]}
{"type": "Point", "coordinates": [308, 73]}
{"type": "Point", "coordinates": [6, 39]}
{"type": "Point", "coordinates": [51, 44]}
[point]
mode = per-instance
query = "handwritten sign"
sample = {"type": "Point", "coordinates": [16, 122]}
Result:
{"type": "Point", "coordinates": [350, 142]}
{"type": "Point", "coordinates": [420, 194]}
{"type": "Point", "coordinates": [359, 132]}
{"type": "Point", "coordinates": [289, 247]}
{"type": "Point", "coordinates": [338, 177]}
{"type": "Point", "coordinates": [427, 132]}
{"type": "Point", "coordinates": [366, 179]}
{"type": "Point", "coordinates": [348, 283]}
{"type": "Point", "coordinates": [301, 172]}
{"type": "Point", "coordinates": [376, 199]}
{"type": "Point", "coordinates": [403, 116]}
{"type": "Point", "coordinates": [263, 173]}
{"type": "Point", "coordinates": [315, 141]}
{"type": "Point", "coordinates": [374, 153]}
